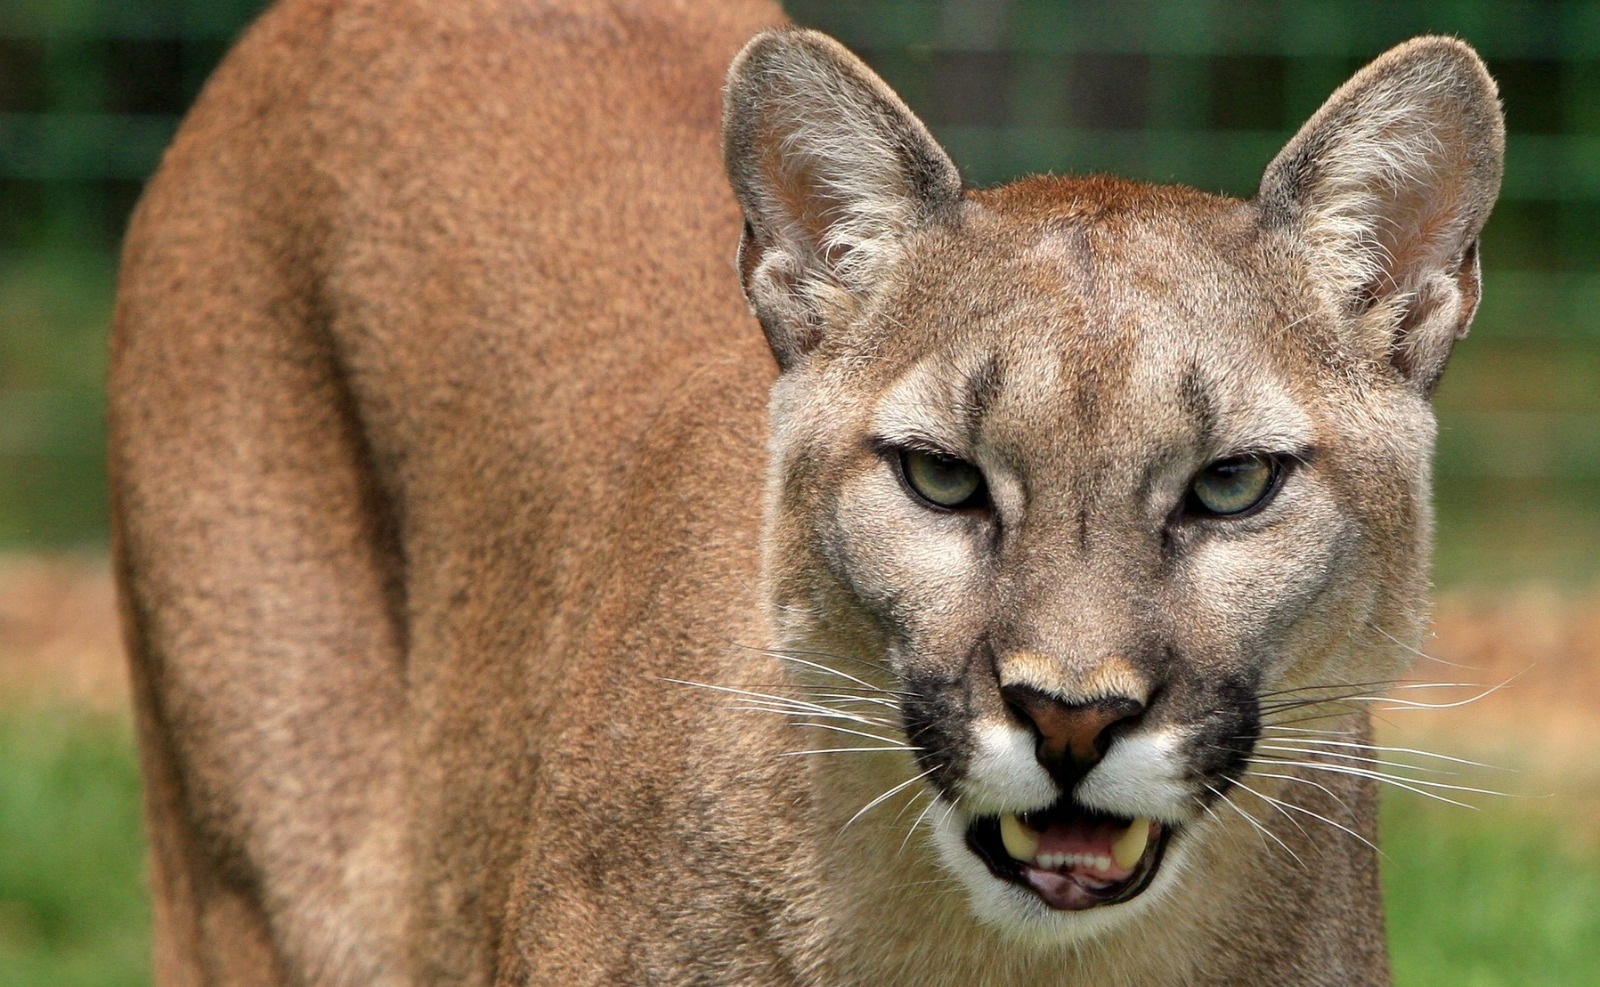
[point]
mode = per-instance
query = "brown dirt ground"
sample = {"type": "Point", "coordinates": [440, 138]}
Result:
{"type": "Point", "coordinates": [59, 643]}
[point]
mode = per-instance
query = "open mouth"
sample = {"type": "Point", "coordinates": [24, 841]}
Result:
{"type": "Point", "coordinates": [1071, 857]}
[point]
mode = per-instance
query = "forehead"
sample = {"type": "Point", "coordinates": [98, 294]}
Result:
{"type": "Point", "coordinates": [1104, 310]}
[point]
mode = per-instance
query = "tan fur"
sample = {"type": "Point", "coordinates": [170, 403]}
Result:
{"type": "Point", "coordinates": [443, 458]}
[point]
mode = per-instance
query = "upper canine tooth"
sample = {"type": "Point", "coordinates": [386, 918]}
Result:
{"type": "Point", "coordinates": [1020, 841]}
{"type": "Point", "coordinates": [1129, 847]}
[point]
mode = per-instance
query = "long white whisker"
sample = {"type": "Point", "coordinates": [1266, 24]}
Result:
{"type": "Point", "coordinates": [844, 750]}
{"type": "Point", "coordinates": [916, 823]}
{"type": "Point", "coordinates": [1399, 750]}
{"type": "Point", "coordinates": [1317, 815]}
{"type": "Point", "coordinates": [1312, 718]}
{"type": "Point", "coordinates": [1257, 824]}
{"type": "Point", "coordinates": [1324, 733]}
{"type": "Point", "coordinates": [788, 702]}
{"type": "Point", "coordinates": [1409, 784]}
{"type": "Point", "coordinates": [1414, 686]}
{"type": "Point", "coordinates": [1324, 789]}
{"type": "Point", "coordinates": [822, 668]}
{"type": "Point", "coordinates": [1353, 688]}
{"type": "Point", "coordinates": [1423, 654]}
{"type": "Point", "coordinates": [767, 707]}
{"type": "Point", "coordinates": [857, 733]}
{"type": "Point", "coordinates": [1274, 803]}
{"type": "Point", "coordinates": [874, 700]}
{"type": "Point", "coordinates": [1344, 757]}
{"type": "Point", "coordinates": [808, 713]}
{"type": "Point", "coordinates": [890, 793]}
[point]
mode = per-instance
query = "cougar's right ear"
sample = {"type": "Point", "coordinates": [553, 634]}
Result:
{"type": "Point", "coordinates": [832, 172]}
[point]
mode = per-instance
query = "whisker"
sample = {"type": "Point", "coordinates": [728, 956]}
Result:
{"type": "Point", "coordinates": [1407, 704]}
{"type": "Point", "coordinates": [857, 733]}
{"type": "Point", "coordinates": [1317, 815]}
{"type": "Point", "coordinates": [916, 823]}
{"type": "Point", "coordinates": [788, 702]}
{"type": "Point", "coordinates": [794, 655]}
{"type": "Point", "coordinates": [1400, 750]}
{"type": "Point", "coordinates": [1316, 718]}
{"type": "Point", "coordinates": [891, 792]}
{"type": "Point", "coordinates": [1324, 789]}
{"type": "Point", "coordinates": [1345, 757]}
{"type": "Point", "coordinates": [1408, 686]}
{"type": "Point", "coordinates": [1417, 785]}
{"type": "Point", "coordinates": [1324, 733]}
{"type": "Point", "coordinates": [1255, 823]}
{"type": "Point", "coordinates": [1277, 804]}
{"type": "Point", "coordinates": [843, 750]}
{"type": "Point", "coordinates": [809, 713]}
{"type": "Point", "coordinates": [1359, 692]}
{"type": "Point", "coordinates": [821, 668]}
{"type": "Point", "coordinates": [874, 700]}
{"type": "Point", "coordinates": [835, 689]}
{"type": "Point", "coordinates": [1418, 652]}
{"type": "Point", "coordinates": [1360, 687]}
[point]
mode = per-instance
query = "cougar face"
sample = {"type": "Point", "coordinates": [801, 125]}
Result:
{"type": "Point", "coordinates": [1093, 480]}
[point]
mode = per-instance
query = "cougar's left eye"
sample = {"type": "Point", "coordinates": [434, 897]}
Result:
{"type": "Point", "coordinates": [1236, 485]}
{"type": "Point", "coordinates": [943, 481]}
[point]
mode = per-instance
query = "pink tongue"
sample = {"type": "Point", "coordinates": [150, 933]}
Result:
{"type": "Point", "coordinates": [1079, 835]}
{"type": "Point", "coordinates": [1075, 886]}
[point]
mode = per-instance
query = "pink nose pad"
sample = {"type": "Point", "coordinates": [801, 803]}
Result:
{"type": "Point", "coordinates": [1072, 736]}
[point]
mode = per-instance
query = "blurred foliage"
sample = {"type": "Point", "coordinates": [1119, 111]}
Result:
{"type": "Point", "coordinates": [1198, 91]}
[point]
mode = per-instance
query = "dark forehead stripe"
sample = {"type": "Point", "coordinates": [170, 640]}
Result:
{"type": "Point", "coordinates": [1197, 401]}
{"type": "Point", "coordinates": [983, 388]}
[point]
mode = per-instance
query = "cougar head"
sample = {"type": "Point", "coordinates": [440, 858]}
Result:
{"type": "Point", "coordinates": [1096, 481]}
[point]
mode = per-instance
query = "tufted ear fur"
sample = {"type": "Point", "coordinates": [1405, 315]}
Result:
{"type": "Point", "coordinates": [1388, 187]}
{"type": "Point", "coordinates": [832, 172]}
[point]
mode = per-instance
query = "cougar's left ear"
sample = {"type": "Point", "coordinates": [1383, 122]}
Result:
{"type": "Point", "coordinates": [1388, 187]}
{"type": "Point", "coordinates": [832, 172]}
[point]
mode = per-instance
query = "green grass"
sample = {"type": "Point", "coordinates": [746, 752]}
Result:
{"type": "Point", "coordinates": [72, 899]}
{"type": "Point", "coordinates": [1506, 895]}
{"type": "Point", "coordinates": [1502, 896]}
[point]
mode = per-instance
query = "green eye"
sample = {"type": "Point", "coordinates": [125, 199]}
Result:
{"type": "Point", "coordinates": [943, 481]}
{"type": "Point", "coordinates": [1234, 486]}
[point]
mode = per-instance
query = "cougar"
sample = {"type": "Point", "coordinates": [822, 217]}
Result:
{"type": "Point", "coordinates": [983, 595]}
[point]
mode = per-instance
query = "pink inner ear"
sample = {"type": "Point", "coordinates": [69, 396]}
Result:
{"type": "Point", "coordinates": [1418, 235]}
{"type": "Point", "coordinates": [799, 193]}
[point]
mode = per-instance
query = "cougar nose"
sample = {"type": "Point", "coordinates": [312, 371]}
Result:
{"type": "Point", "coordinates": [1072, 736]}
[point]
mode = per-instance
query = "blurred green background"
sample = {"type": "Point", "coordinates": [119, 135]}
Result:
{"type": "Point", "coordinates": [1196, 91]}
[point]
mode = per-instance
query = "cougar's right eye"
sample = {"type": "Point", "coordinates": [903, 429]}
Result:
{"type": "Point", "coordinates": [943, 481]}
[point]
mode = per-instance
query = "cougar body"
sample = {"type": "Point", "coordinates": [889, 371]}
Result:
{"type": "Point", "coordinates": [507, 605]}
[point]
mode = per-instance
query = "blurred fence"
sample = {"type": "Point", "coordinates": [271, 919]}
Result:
{"type": "Point", "coordinates": [1197, 91]}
